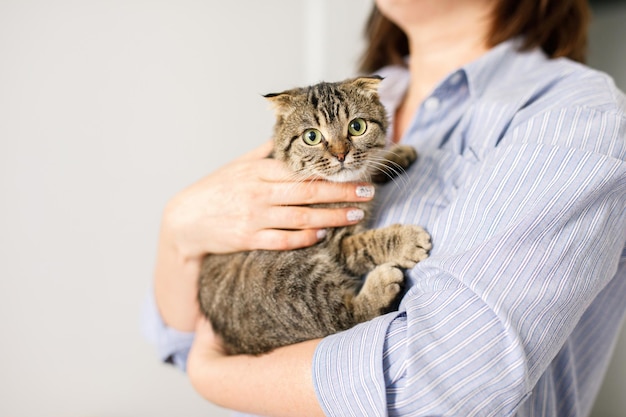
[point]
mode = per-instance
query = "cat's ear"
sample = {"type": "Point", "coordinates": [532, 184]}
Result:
{"type": "Point", "coordinates": [283, 103]}
{"type": "Point", "coordinates": [366, 84]}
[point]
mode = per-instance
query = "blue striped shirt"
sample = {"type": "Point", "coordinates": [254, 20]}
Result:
{"type": "Point", "coordinates": [521, 181]}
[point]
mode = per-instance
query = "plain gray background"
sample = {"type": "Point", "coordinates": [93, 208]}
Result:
{"type": "Point", "coordinates": [108, 108]}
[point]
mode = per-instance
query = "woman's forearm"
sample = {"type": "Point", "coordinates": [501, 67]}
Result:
{"type": "Point", "coordinates": [278, 383]}
{"type": "Point", "coordinates": [175, 284]}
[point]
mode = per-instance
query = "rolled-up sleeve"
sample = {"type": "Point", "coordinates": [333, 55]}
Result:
{"type": "Point", "coordinates": [447, 354]}
{"type": "Point", "coordinates": [172, 346]}
{"type": "Point", "coordinates": [348, 370]}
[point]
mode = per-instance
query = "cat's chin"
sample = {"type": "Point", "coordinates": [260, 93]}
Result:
{"type": "Point", "coordinates": [347, 175]}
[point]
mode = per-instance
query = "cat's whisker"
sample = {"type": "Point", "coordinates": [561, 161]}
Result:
{"type": "Point", "coordinates": [388, 161]}
{"type": "Point", "coordinates": [392, 170]}
{"type": "Point", "coordinates": [391, 165]}
{"type": "Point", "coordinates": [394, 179]}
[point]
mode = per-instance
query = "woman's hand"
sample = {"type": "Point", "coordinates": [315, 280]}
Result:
{"type": "Point", "coordinates": [255, 203]}
{"type": "Point", "coordinates": [207, 346]}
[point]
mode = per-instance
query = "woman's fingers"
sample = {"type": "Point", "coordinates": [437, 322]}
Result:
{"type": "Point", "coordinates": [298, 227]}
{"type": "Point", "coordinates": [302, 218]}
{"type": "Point", "coordinates": [317, 192]}
{"type": "Point", "coordinates": [275, 239]}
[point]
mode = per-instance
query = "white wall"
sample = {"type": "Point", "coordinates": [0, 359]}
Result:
{"type": "Point", "coordinates": [107, 108]}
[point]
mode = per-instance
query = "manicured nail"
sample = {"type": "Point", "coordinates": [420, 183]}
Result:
{"type": "Point", "coordinates": [321, 234]}
{"type": "Point", "coordinates": [355, 215]}
{"type": "Point", "coordinates": [365, 191]}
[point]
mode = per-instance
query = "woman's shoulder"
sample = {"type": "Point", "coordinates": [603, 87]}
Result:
{"type": "Point", "coordinates": [556, 102]}
{"type": "Point", "coordinates": [572, 84]}
{"type": "Point", "coordinates": [539, 82]}
{"type": "Point", "coordinates": [576, 107]}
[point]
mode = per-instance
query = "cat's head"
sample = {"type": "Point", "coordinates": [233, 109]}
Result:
{"type": "Point", "coordinates": [333, 131]}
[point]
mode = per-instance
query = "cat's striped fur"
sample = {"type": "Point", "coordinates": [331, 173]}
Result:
{"type": "Point", "coordinates": [259, 300]}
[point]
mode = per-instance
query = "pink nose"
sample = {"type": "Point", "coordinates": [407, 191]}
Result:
{"type": "Point", "coordinates": [341, 157]}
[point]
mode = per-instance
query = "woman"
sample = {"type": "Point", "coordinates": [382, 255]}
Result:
{"type": "Point", "coordinates": [522, 183]}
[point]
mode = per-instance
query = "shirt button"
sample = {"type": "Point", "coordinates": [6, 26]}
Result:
{"type": "Point", "coordinates": [431, 103]}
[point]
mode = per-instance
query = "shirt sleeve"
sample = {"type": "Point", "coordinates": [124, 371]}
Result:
{"type": "Point", "coordinates": [534, 233]}
{"type": "Point", "coordinates": [172, 345]}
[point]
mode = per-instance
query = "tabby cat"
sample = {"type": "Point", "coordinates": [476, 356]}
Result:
{"type": "Point", "coordinates": [259, 300]}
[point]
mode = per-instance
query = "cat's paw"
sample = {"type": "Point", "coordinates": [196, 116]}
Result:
{"type": "Point", "coordinates": [404, 155]}
{"type": "Point", "coordinates": [390, 282]}
{"type": "Point", "coordinates": [379, 292]}
{"type": "Point", "coordinates": [413, 245]}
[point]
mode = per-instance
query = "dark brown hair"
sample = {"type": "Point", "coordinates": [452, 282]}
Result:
{"type": "Point", "coordinates": [559, 27]}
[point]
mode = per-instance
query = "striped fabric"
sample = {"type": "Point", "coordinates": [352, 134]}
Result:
{"type": "Point", "coordinates": [522, 183]}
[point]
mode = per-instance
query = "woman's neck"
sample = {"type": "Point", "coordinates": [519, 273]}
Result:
{"type": "Point", "coordinates": [445, 41]}
{"type": "Point", "coordinates": [438, 47]}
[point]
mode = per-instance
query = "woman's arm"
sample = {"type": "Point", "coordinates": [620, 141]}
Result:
{"type": "Point", "coordinates": [275, 384]}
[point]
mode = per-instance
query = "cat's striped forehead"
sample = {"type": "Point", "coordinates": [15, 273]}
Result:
{"type": "Point", "coordinates": [328, 100]}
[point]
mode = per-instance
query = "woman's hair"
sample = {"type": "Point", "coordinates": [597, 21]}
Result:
{"type": "Point", "coordinates": [559, 27]}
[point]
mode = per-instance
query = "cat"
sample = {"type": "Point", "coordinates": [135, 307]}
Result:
{"type": "Point", "coordinates": [259, 300]}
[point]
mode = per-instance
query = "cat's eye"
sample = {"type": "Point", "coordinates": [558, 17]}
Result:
{"type": "Point", "coordinates": [312, 137]}
{"type": "Point", "coordinates": [357, 127]}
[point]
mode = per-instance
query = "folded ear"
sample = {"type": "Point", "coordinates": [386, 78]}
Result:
{"type": "Point", "coordinates": [367, 84]}
{"type": "Point", "coordinates": [284, 102]}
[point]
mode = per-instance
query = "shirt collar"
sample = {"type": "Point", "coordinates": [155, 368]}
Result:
{"type": "Point", "coordinates": [499, 60]}
{"type": "Point", "coordinates": [476, 75]}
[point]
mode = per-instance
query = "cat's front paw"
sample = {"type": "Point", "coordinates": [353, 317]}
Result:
{"type": "Point", "coordinates": [404, 155]}
{"type": "Point", "coordinates": [379, 293]}
{"type": "Point", "coordinates": [413, 245]}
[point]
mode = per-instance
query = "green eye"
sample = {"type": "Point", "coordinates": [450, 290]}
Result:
{"type": "Point", "coordinates": [357, 127]}
{"type": "Point", "coordinates": [312, 137]}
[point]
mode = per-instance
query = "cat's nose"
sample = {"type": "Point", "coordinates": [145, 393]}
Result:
{"type": "Point", "coordinates": [339, 150]}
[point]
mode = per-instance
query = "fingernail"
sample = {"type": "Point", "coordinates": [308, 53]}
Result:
{"type": "Point", "coordinates": [355, 215]}
{"type": "Point", "coordinates": [365, 191]}
{"type": "Point", "coordinates": [321, 234]}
